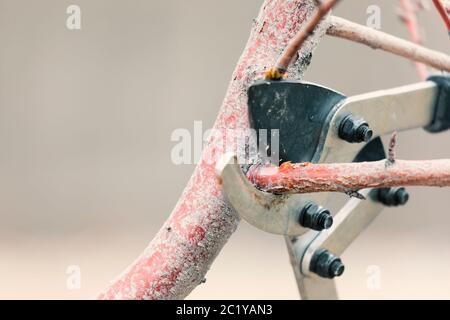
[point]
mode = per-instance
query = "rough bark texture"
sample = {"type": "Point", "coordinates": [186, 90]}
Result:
{"type": "Point", "coordinates": [297, 42]}
{"type": "Point", "coordinates": [177, 259]}
{"type": "Point", "coordinates": [344, 177]}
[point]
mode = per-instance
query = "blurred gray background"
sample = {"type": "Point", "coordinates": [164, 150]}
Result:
{"type": "Point", "coordinates": [85, 124]}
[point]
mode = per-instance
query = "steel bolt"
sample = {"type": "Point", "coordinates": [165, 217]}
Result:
{"type": "Point", "coordinates": [392, 197]}
{"type": "Point", "coordinates": [326, 265]}
{"type": "Point", "coordinates": [316, 218]}
{"type": "Point", "coordinates": [354, 130]}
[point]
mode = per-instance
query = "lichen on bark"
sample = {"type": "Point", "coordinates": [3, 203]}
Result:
{"type": "Point", "coordinates": [176, 260]}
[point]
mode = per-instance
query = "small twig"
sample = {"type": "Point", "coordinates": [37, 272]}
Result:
{"type": "Point", "coordinates": [391, 153]}
{"type": "Point", "coordinates": [444, 13]}
{"type": "Point", "coordinates": [296, 43]}
{"type": "Point", "coordinates": [379, 40]}
{"type": "Point", "coordinates": [341, 177]}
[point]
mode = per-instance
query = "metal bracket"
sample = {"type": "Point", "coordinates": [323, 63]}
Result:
{"type": "Point", "coordinates": [268, 212]}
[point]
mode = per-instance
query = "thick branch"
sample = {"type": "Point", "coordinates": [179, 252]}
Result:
{"type": "Point", "coordinates": [179, 256]}
{"type": "Point", "coordinates": [379, 40]}
{"type": "Point", "coordinates": [344, 177]}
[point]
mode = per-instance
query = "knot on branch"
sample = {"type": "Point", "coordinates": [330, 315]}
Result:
{"type": "Point", "coordinates": [391, 152]}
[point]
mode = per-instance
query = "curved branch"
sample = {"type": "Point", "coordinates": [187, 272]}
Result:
{"type": "Point", "coordinates": [342, 28]}
{"type": "Point", "coordinates": [179, 256]}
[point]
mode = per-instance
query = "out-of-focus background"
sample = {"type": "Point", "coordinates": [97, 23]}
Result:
{"type": "Point", "coordinates": [86, 178]}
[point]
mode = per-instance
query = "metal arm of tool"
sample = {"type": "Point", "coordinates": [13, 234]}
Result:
{"type": "Point", "coordinates": [268, 212]}
{"type": "Point", "coordinates": [386, 111]}
{"type": "Point", "coordinates": [349, 223]}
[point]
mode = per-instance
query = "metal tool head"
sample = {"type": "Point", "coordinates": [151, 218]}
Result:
{"type": "Point", "coordinates": [299, 111]}
{"type": "Point", "coordinates": [317, 124]}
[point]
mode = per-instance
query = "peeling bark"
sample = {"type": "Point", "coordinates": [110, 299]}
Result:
{"type": "Point", "coordinates": [179, 256]}
{"type": "Point", "coordinates": [344, 177]}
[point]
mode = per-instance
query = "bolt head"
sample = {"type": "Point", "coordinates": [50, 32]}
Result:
{"type": "Point", "coordinates": [337, 268]}
{"type": "Point", "coordinates": [354, 130]}
{"type": "Point", "coordinates": [328, 222]}
{"type": "Point", "coordinates": [401, 196]}
{"type": "Point", "coordinates": [392, 197]}
{"type": "Point", "coordinates": [316, 218]}
{"type": "Point", "coordinates": [326, 265]}
{"type": "Point", "coordinates": [364, 133]}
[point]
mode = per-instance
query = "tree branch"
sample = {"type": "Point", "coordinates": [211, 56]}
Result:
{"type": "Point", "coordinates": [345, 29]}
{"type": "Point", "coordinates": [344, 177]}
{"type": "Point", "coordinates": [443, 13]}
{"type": "Point", "coordinates": [179, 256]}
{"type": "Point", "coordinates": [296, 43]}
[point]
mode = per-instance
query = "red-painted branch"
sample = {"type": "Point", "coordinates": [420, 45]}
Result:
{"type": "Point", "coordinates": [444, 13]}
{"type": "Point", "coordinates": [344, 177]}
{"type": "Point", "coordinates": [179, 256]}
{"type": "Point", "coordinates": [296, 43]}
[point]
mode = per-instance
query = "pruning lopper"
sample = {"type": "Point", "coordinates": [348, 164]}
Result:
{"type": "Point", "coordinates": [319, 125]}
